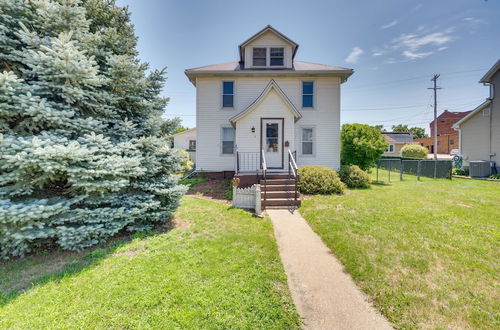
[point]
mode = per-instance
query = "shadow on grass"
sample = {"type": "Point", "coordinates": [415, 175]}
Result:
{"type": "Point", "coordinates": [381, 183]}
{"type": "Point", "coordinates": [20, 275]}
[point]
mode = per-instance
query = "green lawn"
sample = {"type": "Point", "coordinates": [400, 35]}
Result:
{"type": "Point", "coordinates": [427, 252]}
{"type": "Point", "coordinates": [219, 268]}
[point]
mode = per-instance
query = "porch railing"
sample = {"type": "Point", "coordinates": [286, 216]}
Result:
{"type": "Point", "coordinates": [263, 166]}
{"type": "Point", "coordinates": [247, 162]}
{"type": "Point", "coordinates": [293, 173]}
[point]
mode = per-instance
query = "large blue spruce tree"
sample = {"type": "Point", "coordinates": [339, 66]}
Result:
{"type": "Point", "coordinates": [80, 154]}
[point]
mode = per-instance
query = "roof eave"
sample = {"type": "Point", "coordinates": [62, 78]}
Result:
{"type": "Point", "coordinates": [486, 79]}
{"type": "Point", "coordinates": [471, 114]}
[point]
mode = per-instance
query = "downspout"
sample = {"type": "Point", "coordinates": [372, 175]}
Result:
{"type": "Point", "coordinates": [492, 96]}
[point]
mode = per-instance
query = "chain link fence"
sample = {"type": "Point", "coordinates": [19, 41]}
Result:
{"type": "Point", "coordinates": [397, 167]}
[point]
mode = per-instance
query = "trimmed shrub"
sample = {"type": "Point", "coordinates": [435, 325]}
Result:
{"type": "Point", "coordinates": [354, 177]}
{"type": "Point", "coordinates": [495, 176]}
{"type": "Point", "coordinates": [316, 179]}
{"type": "Point", "coordinates": [460, 171]}
{"type": "Point", "coordinates": [414, 151]}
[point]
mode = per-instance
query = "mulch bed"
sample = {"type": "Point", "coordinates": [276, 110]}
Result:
{"type": "Point", "coordinates": [216, 190]}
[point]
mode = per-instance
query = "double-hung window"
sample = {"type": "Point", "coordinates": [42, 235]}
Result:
{"type": "Point", "coordinates": [227, 94]}
{"type": "Point", "coordinates": [277, 56]}
{"type": "Point", "coordinates": [259, 56]}
{"type": "Point", "coordinates": [307, 141]}
{"type": "Point", "coordinates": [390, 148]}
{"type": "Point", "coordinates": [227, 140]}
{"type": "Point", "coordinates": [307, 94]}
{"type": "Point", "coordinates": [192, 144]}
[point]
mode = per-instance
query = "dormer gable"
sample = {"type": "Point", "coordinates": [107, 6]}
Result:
{"type": "Point", "coordinates": [268, 49]}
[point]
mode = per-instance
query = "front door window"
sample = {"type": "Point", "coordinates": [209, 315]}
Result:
{"type": "Point", "coordinates": [272, 142]}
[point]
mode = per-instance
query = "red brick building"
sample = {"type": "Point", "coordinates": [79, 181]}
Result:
{"type": "Point", "coordinates": [447, 136]}
{"type": "Point", "coordinates": [445, 122]}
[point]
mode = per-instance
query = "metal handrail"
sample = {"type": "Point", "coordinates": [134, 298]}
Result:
{"type": "Point", "coordinates": [263, 164]}
{"type": "Point", "coordinates": [293, 170]}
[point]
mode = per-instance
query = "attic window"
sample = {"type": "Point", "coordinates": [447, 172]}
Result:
{"type": "Point", "coordinates": [277, 56]}
{"type": "Point", "coordinates": [259, 56]}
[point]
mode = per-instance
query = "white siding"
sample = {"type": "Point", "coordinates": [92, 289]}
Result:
{"type": "Point", "coordinates": [181, 140]}
{"type": "Point", "coordinates": [269, 39]}
{"type": "Point", "coordinates": [325, 118]}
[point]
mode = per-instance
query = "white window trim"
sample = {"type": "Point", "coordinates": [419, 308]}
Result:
{"type": "Point", "coordinates": [222, 144]}
{"type": "Point", "coordinates": [268, 57]}
{"type": "Point", "coordinates": [284, 56]}
{"type": "Point", "coordinates": [391, 146]}
{"type": "Point", "coordinates": [302, 94]}
{"type": "Point", "coordinates": [313, 127]}
{"type": "Point", "coordinates": [222, 94]}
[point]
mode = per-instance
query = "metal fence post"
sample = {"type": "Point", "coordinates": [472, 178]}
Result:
{"type": "Point", "coordinates": [435, 168]}
{"type": "Point", "coordinates": [418, 170]}
{"type": "Point", "coordinates": [378, 164]}
{"type": "Point", "coordinates": [401, 170]}
{"type": "Point", "coordinates": [390, 167]}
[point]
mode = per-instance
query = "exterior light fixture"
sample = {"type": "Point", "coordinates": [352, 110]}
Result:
{"type": "Point", "coordinates": [253, 129]}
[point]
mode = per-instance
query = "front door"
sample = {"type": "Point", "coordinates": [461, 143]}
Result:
{"type": "Point", "coordinates": [272, 142]}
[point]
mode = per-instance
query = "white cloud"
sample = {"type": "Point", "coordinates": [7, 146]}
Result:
{"type": "Point", "coordinates": [354, 55]}
{"type": "Point", "coordinates": [414, 42]}
{"type": "Point", "coordinates": [377, 54]}
{"type": "Point", "coordinates": [414, 55]}
{"type": "Point", "coordinates": [388, 25]}
{"type": "Point", "coordinates": [440, 49]}
{"type": "Point", "coordinates": [417, 7]}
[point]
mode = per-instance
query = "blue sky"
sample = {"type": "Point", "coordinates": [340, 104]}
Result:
{"type": "Point", "coordinates": [394, 47]}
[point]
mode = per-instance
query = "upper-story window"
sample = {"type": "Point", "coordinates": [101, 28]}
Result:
{"type": "Point", "coordinates": [227, 94]}
{"type": "Point", "coordinates": [307, 94]}
{"type": "Point", "coordinates": [277, 56]}
{"type": "Point", "coordinates": [259, 56]}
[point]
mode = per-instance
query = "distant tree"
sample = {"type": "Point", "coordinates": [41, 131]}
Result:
{"type": "Point", "coordinates": [361, 145]}
{"type": "Point", "coordinates": [417, 132]}
{"type": "Point", "coordinates": [380, 128]}
{"type": "Point", "coordinates": [171, 126]}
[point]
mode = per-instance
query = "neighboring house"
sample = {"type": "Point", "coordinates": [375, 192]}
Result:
{"type": "Point", "coordinates": [447, 136]}
{"type": "Point", "coordinates": [186, 140]}
{"type": "Point", "coordinates": [397, 140]}
{"type": "Point", "coordinates": [264, 105]}
{"type": "Point", "coordinates": [479, 131]}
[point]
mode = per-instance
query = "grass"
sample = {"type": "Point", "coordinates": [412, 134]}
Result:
{"type": "Point", "coordinates": [427, 252]}
{"type": "Point", "coordinates": [218, 268]}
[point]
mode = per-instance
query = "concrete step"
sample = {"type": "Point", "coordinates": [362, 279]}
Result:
{"type": "Point", "coordinates": [280, 202]}
{"type": "Point", "coordinates": [277, 182]}
{"type": "Point", "coordinates": [277, 187]}
{"type": "Point", "coordinates": [279, 194]}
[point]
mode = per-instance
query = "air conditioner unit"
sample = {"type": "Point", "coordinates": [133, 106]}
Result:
{"type": "Point", "coordinates": [479, 168]}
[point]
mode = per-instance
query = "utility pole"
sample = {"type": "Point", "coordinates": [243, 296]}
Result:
{"type": "Point", "coordinates": [435, 88]}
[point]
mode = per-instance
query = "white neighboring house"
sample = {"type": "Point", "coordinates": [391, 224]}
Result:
{"type": "Point", "coordinates": [479, 131]}
{"type": "Point", "coordinates": [265, 105]}
{"type": "Point", "coordinates": [186, 140]}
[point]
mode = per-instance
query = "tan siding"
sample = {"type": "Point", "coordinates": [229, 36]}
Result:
{"type": "Point", "coordinates": [475, 138]}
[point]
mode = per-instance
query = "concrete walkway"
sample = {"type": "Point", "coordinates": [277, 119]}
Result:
{"type": "Point", "coordinates": [324, 294]}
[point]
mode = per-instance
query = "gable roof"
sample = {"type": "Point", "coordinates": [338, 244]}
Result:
{"type": "Point", "coordinates": [271, 86]}
{"type": "Point", "coordinates": [299, 68]}
{"type": "Point", "coordinates": [398, 137]}
{"type": "Point", "coordinates": [491, 72]}
{"type": "Point", "coordinates": [268, 28]}
{"type": "Point", "coordinates": [184, 132]}
{"type": "Point", "coordinates": [482, 106]}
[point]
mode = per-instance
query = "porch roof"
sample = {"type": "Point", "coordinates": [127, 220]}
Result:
{"type": "Point", "coordinates": [272, 85]}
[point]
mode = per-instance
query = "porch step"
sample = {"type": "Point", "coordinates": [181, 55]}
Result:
{"type": "Point", "coordinates": [280, 202]}
{"type": "Point", "coordinates": [277, 182]}
{"type": "Point", "coordinates": [277, 187]}
{"type": "Point", "coordinates": [277, 176]}
{"type": "Point", "coordinates": [279, 194]}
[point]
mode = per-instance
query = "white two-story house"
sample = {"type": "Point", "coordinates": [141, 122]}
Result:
{"type": "Point", "coordinates": [263, 106]}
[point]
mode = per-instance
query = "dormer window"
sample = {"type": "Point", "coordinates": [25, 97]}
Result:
{"type": "Point", "coordinates": [259, 56]}
{"type": "Point", "coordinates": [277, 56]}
